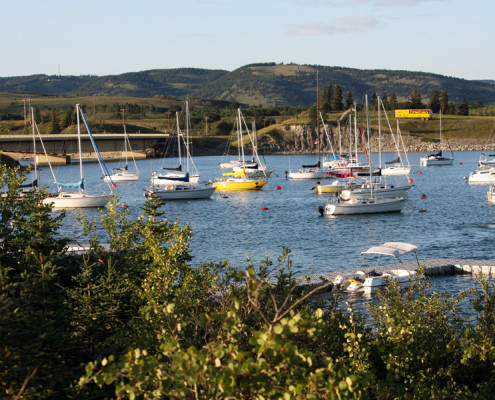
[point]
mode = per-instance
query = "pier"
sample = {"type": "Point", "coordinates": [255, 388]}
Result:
{"type": "Point", "coordinates": [434, 267]}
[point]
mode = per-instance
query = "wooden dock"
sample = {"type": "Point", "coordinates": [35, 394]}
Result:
{"type": "Point", "coordinates": [434, 267]}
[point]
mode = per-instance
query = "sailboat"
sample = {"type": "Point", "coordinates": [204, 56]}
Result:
{"type": "Point", "coordinates": [176, 175]}
{"type": "Point", "coordinates": [369, 204]}
{"type": "Point", "coordinates": [123, 174]}
{"type": "Point", "coordinates": [380, 188]}
{"type": "Point", "coordinates": [240, 178]}
{"type": "Point", "coordinates": [437, 158]}
{"type": "Point", "coordinates": [397, 165]}
{"type": "Point", "coordinates": [183, 190]}
{"type": "Point", "coordinates": [80, 198]}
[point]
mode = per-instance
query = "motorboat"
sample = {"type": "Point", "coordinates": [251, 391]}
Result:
{"type": "Point", "coordinates": [369, 282]}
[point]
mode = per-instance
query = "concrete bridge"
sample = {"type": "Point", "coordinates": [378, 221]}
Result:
{"type": "Point", "coordinates": [67, 144]}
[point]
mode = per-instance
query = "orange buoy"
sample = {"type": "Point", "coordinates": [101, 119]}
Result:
{"type": "Point", "coordinates": [279, 187]}
{"type": "Point", "coordinates": [419, 172]}
{"type": "Point", "coordinates": [422, 210]}
{"type": "Point", "coordinates": [124, 206]}
{"type": "Point", "coordinates": [225, 197]}
{"type": "Point", "coordinates": [460, 163]}
{"type": "Point", "coordinates": [423, 196]}
{"type": "Point", "coordinates": [264, 208]}
{"type": "Point", "coordinates": [410, 181]}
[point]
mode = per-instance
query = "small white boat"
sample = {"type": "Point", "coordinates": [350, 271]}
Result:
{"type": "Point", "coordinates": [312, 172]}
{"type": "Point", "coordinates": [395, 170]}
{"type": "Point", "coordinates": [483, 174]}
{"type": "Point", "coordinates": [182, 192]}
{"type": "Point", "coordinates": [369, 282]}
{"type": "Point", "coordinates": [123, 174]}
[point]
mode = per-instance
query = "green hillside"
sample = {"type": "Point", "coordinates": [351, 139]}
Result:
{"type": "Point", "coordinates": [267, 84]}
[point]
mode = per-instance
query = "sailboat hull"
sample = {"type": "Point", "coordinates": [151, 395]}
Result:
{"type": "Point", "coordinates": [239, 184]}
{"type": "Point", "coordinates": [396, 171]}
{"type": "Point", "coordinates": [77, 200]}
{"type": "Point", "coordinates": [184, 192]}
{"type": "Point", "coordinates": [379, 192]}
{"type": "Point", "coordinates": [430, 161]}
{"type": "Point", "coordinates": [364, 207]}
{"type": "Point", "coordinates": [122, 177]}
{"type": "Point", "coordinates": [307, 174]}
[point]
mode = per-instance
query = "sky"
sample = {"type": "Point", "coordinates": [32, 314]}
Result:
{"type": "Point", "coordinates": [109, 37]}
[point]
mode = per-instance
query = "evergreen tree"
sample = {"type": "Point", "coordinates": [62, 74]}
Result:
{"type": "Point", "coordinates": [374, 101]}
{"type": "Point", "coordinates": [393, 102]}
{"type": "Point", "coordinates": [338, 98]}
{"type": "Point", "coordinates": [349, 100]}
{"type": "Point", "coordinates": [416, 101]}
{"type": "Point", "coordinates": [67, 118]}
{"type": "Point", "coordinates": [37, 115]}
{"type": "Point", "coordinates": [444, 103]}
{"type": "Point", "coordinates": [435, 101]}
{"type": "Point", "coordinates": [385, 102]}
{"type": "Point", "coordinates": [464, 107]}
{"type": "Point", "coordinates": [54, 123]}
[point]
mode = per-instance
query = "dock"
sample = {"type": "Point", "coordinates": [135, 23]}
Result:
{"type": "Point", "coordinates": [434, 267]}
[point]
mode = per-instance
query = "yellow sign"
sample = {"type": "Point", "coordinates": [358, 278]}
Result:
{"type": "Point", "coordinates": [413, 114]}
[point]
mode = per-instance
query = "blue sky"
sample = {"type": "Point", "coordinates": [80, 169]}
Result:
{"type": "Point", "coordinates": [106, 37]}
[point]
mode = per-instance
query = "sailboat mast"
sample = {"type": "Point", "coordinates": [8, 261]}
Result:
{"type": "Point", "coordinates": [178, 138]}
{"type": "Point", "coordinates": [125, 136]}
{"type": "Point", "coordinates": [317, 113]}
{"type": "Point", "coordinates": [34, 146]}
{"type": "Point", "coordinates": [79, 142]}
{"type": "Point", "coordinates": [187, 135]}
{"type": "Point", "coordinates": [441, 144]}
{"type": "Point", "coordinates": [369, 142]}
{"type": "Point", "coordinates": [355, 131]}
{"type": "Point", "coordinates": [239, 133]}
{"type": "Point", "coordinates": [379, 134]}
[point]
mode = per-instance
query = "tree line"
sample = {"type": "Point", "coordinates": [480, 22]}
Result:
{"type": "Point", "coordinates": [333, 98]}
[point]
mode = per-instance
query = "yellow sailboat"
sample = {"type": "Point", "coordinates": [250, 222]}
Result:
{"type": "Point", "coordinates": [238, 181]}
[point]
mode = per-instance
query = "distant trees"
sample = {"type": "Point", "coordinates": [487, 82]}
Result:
{"type": "Point", "coordinates": [416, 101]}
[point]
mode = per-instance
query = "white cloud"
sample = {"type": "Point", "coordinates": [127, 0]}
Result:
{"type": "Point", "coordinates": [351, 24]}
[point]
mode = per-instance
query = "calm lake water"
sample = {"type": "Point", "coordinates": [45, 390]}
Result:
{"type": "Point", "coordinates": [455, 221]}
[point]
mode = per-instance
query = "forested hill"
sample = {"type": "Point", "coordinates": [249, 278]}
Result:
{"type": "Point", "coordinates": [267, 84]}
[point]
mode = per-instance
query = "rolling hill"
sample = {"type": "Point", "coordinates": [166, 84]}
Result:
{"type": "Point", "coordinates": [267, 84]}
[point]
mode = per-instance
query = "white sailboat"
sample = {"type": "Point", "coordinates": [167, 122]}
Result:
{"type": "Point", "coordinates": [369, 204]}
{"type": "Point", "coordinates": [177, 175]}
{"type": "Point", "coordinates": [437, 158]}
{"type": "Point", "coordinates": [123, 174]}
{"type": "Point", "coordinates": [183, 190]}
{"type": "Point", "coordinates": [80, 198]}
{"type": "Point", "coordinates": [396, 166]}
